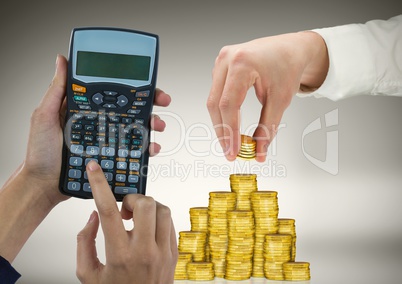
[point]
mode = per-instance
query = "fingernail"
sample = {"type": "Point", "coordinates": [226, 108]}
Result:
{"type": "Point", "coordinates": [91, 217]}
{"type": "Point", "coordinates": [57, 60]}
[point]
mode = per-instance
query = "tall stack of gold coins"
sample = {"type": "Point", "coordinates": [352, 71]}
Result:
{"type": "Point", "coordinates": [199, 223]}
{"type": "Point", "coordinates": [276, 252]}
{"type": "Point", "coordinates": [296, 271]}
{"type": "Point", "coordinates": [220, 202]}
{"type": "Point", "coordinates": [181, 266]}
{"type": "Point", "coordinates": [247, 148]}
{"type": "Point", "coordinates": [194, 243]}
{"type": "Point", "coordinates": [239, 258]}
{"type": "Point", "coordinates": [266, 209]}
{"type": "Point", "coordinates": [243, 185]}
{"type": "Point", "coordinates": [200, 271]}
{"type": "Point", "coordinates": [287, 226]}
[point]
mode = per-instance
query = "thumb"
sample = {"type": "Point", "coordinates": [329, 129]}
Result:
{"type": "Point", "coordinates": [87, 258]}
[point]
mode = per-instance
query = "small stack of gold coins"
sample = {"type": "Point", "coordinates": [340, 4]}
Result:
{"type": "Point", "coordinates": [181, 266]}
{"type": "Point", "coordinates": [243, 185]}
{"type": "Point", "coordinates": [276, 252]}
{"type": "Point", "coordinates": [194, 243]}
{"type": "Point", "coordinates": [266, 209]}
{"type": "Point", "coordinates": [296, 271]}
{"type": "Point", "coordinates": [247, 148]}
{"type": "Point", "coordinates": [220, 202]}
{"type": "Point", "coordinates": [200, 271]}
{"type": "Point", "coordinates": [287, 226]}
{"type": "Point", "coordinates": [199, 223]}
{"type": "Point", "coordinates": [239, 263]}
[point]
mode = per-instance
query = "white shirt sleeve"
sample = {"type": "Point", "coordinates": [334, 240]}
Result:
{"type": "Point", "coordinates": [363, 59]}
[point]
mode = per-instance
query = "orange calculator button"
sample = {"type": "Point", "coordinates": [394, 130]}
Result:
{"type": "Point", "coordinates": [78, 88]}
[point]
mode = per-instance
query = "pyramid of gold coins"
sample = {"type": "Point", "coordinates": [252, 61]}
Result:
{"type": "Point", "coordinates": [239, 236]}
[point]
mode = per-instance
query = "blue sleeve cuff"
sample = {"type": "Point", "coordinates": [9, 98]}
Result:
{"type": "Point", "coordinates": [8, 275]}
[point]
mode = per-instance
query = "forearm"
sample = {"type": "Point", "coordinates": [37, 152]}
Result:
{"type": "Point", "coordinates": [23, 206]}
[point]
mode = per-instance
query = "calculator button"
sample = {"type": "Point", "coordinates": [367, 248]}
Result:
{"type": "Point", "coordinates": [113, 118]}
{"type": "Point", "coordinates": [76, 136]}
{"type": "Point", "coordinates": [109, 176]}
{"type": "Point", "coordinates": [77, 149]}
{"type": "Point", "coordinates": [101, 139]}
{"type": "Point", "coordinates": [78, 115]}
{"type": "Point", "coordinates": [123, 153]}
{"type": "Point", "coordinates": [133, 111]}
{"type": "Point", "coordinates": [92, 150]}
{"type": "Point", "coordinates": [89, 127]}
{"type": "Point", "coordinates": [124, 190]}
{"type": "Point", "coordinates": [107, 164]}
{"type": "Point", "coordinates": [109, 106]}
{"type": "Point", "coordinates": [76, 126]}
{"type": "Point", "coordinates": [85, 107]}
{"type": "Point", "coordinates": [127, 120]}
{"type": "Point", "coordinates": [122, 100]}
{"type": "Point", "coordinates": [73, 185]}
{"type": "Point", "coordinates": [134, 166]}
{"type": "Point", "coordinates": [97, 98]}
{"type": "Point", "coordinates": [74, 173]}
{"type": "Point", "coordinates": [120, 178]}
{"type": "Point", "coordinates": [139, 121]}
{"type": "Point", "coordinates": [91, 116]}
{"type": "Point", "coordinates": [87, 187]}
{"type": "Point", "coordinates": [112, 128]}
{"type": "Point", "coordinates": [121, 165]}
{"type": "Point", "coordinates": [107, 151]}
{"type": "Point", "coordinates": [135, 154]}
{"type": "Point", "coordinates": [143, 94]}
{"type": "Point", "coordinates": [101, 128]}
{"type": "Point", "coordinates": [110, 93]}
{"type": "Point", "coordinates": [139, 103]}
{"type": "Point", "coordinates": [88, 138]}
{"type": "Point", "coordinates": [75, 161]}
{"type": "Point", "coordinates": [87, 160]}
{"type": "Point", "coordinates": [137, 142]}
{"type": "Point", "coordinates": [132, 178]}
{"type": "Point", "coordinates": [80, 99]}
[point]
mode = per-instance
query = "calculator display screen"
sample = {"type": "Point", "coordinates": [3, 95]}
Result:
{"type": "Point", "coordinates": [109, 65]}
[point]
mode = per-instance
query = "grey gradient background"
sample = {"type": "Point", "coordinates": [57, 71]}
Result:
{"type": "Point", "coordinates": [348, 225]}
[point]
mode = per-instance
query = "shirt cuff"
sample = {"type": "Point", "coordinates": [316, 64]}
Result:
{"type": "Point", "coordinates": [351, 66]}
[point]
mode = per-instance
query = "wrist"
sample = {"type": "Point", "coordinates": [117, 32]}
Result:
{"type": "Point", "coordinates": [45, 187]}
{"type": "Point", "coordinates": [23, 206]}
{"type": "Point", "coordinates": [317, 61]}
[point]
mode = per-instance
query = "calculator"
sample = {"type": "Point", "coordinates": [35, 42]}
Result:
{"type": "Point", "coordinates": [110, 93]}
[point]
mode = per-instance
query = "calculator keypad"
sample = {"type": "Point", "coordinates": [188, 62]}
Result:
{"type": "Point", "coordinates": [116, 141]}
